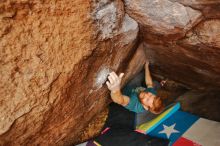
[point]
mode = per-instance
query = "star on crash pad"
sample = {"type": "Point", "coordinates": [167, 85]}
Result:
{"type": "Point", "coordinates": [168, 130]}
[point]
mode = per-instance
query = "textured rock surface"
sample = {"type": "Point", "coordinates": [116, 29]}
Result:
{"type": "Point", "coordinates": [209, 8]}
{"type": "Point", "coordinates": [135, 65]}
{"type": "Point", "coordinates": [207, 103]}
{"type": "Point", "coordinates": [95, 126]}
{"type": "Point", "coordinates": [55, 57]}
{"type": "Point", "coordinates": [162, 16]}
{"type": "Point", "coordinates": [191, 58]}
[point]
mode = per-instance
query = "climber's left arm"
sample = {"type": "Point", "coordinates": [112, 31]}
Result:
{"type": "Point", "coordinates": [148, 79]}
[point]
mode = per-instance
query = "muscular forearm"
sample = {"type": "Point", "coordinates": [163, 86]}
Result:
{"type": "Point", "coordinates": [119, 98]}
{"type": "Point", "coordinates": [148, 79]}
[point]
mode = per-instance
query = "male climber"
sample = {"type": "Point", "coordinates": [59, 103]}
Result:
{"type": "Point", "coordinates": [120, 125]}
{"type": "Point", "coordinates": [136, 99]}
{"type": "Point", "coordinates": [119, 128]}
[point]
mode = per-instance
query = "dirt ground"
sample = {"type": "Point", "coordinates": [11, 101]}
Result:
{"type": "Point", "coordinates": [205, 104]}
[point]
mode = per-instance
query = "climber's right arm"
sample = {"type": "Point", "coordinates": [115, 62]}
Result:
{"type": "Point", "coordinates": [114, 85]}
{"type": "Point", "coordinates": [119, 98]}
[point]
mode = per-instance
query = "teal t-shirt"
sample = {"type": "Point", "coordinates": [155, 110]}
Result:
{"type": "Point", "coordinates": [134, 103]}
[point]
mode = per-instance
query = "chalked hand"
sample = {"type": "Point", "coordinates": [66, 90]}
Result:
{"type": "Point", "coordinates": [147, 64]}
{"type": "Point", "coordinates": [114, 81]}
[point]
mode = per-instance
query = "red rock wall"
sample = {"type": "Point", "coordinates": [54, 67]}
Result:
{"type": "Point", "coordinates": [182, 39]}
{"type": "Point", "coordinates": [55, 57]}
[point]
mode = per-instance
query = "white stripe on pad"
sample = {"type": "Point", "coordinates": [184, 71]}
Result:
{"type": "Point", "coordinates": [204, 132]}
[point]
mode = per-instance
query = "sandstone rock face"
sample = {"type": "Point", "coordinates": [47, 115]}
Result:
{"type": "Point", "coordinates": [192, 55]}
{"type": "Point", "coordinates": [207, 32]}
{"type": "Point", "coordinates": [209, 8]}
{"type": "Point", "coordinates": [54, 60]}
{"type": "Point", "coordinates": [135, 65]}
{"type": "Point", "coordinates": [55, 57]}
{"type": "Point", "coordinates": [162, 16]}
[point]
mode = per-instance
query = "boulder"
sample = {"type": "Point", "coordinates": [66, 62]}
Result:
{"type": "Point", "coordinates": [55, 57]}
{"type": "Point", "coordinates": [179, 40]}
{"type": "Point", "coordinates": [54, 60]}
{"type": "Point", "coordinates": [192, 60]}
{"type": "Point", "coordinates": [209, 8]}
{"type": "Point", "coordinates": [163, 17]}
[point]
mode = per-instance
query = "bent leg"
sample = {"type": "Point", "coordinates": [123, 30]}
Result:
{"type": "Point", "coordinates": [119, 117]}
